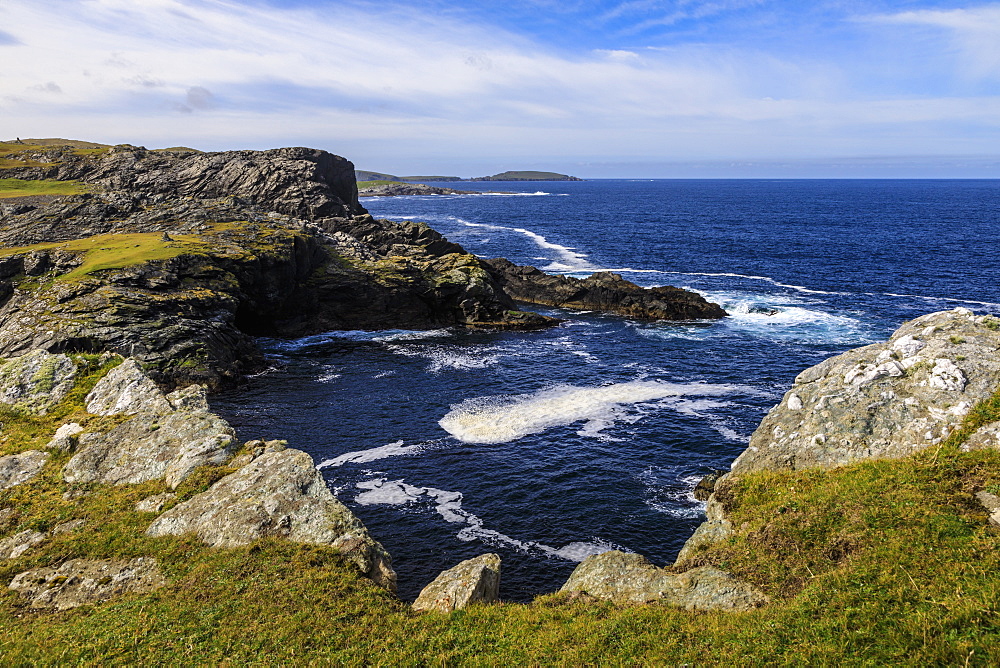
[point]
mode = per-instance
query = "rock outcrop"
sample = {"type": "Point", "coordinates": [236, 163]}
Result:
{"type": "Point", "coordinates": [87, 581]}
{"type": "Point", "coordinates": [471, 581]}
{"type": "Point", "coordinates": [37, 381]}
{"type": "Point", "coordinates": [209, 251]}
{"type": "Point", "coordinates": [630, 578]}
{"type": "Point", "coordinates": [885, 400]}
{"type": "Point", "coordinates": [602, 291]}
{"type": "Point", "coordinates": [22, 467]}
{"type": "Point", "coordinates": [408, 189]}
{"type": "Point", "coordinates": [280, 493]}
{"type": "Point", "coordinates": [16, 545]}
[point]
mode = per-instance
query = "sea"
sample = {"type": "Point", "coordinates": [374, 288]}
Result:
{"type": "Point", "coordinates": [546, 447]}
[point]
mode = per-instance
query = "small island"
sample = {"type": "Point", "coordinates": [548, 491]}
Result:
{"type": "Point", "coordinates": [527, 176]}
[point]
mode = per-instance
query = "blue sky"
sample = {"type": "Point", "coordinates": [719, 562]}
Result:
{"type": "Point", "coordinates": [633, 88]}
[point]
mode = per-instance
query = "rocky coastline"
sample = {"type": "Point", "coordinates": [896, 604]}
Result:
{"type": "Point", "coordinates": [123, 306]}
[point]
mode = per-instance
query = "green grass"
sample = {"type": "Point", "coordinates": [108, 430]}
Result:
{"type": "Point", "coordinates": [115, 251]}
{"type": "Point", "coordinates": [879, 563]}
{"type": "Point", "coordinates": [372, 184]}
{"type": "Point", "coordinates": [24, 187]}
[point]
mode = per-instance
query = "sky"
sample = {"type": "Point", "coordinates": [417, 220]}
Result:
{"type": "Point", "coordinates": [594, 88]}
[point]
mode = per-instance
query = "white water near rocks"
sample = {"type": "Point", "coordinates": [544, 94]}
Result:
{"type": "Point", "coordinates": [547, 446]}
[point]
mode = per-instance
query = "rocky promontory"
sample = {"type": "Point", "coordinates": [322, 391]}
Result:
{"type": "Point", "coordinates": [180, 259]}
{"type": "Point", "coordinates": [603, 291]}
{"type": "Point", "coordinates": [385, 189]}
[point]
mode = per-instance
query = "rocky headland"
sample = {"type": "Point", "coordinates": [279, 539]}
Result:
{"type": "Point", "coordinates": [871, 492]}
{"type": "Point", "coordinates": [379, 189]}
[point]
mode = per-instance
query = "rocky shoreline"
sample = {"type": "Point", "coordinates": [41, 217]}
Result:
{"type": "Point", "coordinates": [122, 307]}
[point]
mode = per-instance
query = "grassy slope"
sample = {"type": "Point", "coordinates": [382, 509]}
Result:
{"type": "Point", "coordinates": [24, 188]}
{"type": "Point", "coordinates": [880, 562]}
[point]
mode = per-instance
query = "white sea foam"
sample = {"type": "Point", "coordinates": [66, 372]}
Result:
{"type": "Point", "coordinates": [454, 357]}
{"type": "Point", "coordinates": [381, 491]}
{"type": "Point", "coordinates": [750, 277]}
{"type": "Point", "coordinates": [372, 454]}
{"type": "Point", "coordinates": [671, 492]}
{"type": "Point", "coordinates": [567, 258]}
{"type": "Point", "coordinates": [502, 419]}
{"type": "Point", "coordinates": [939, 299]}
{"type": "Point", "coordinates": [357, 335]}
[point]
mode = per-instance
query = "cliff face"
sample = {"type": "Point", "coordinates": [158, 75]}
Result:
{"type": "Point", "coordinates": [179, 259]}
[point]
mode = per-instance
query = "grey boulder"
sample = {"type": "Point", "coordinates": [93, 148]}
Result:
{"type": "Point", "coordinates": [36, 381]}
{"type": "Point", "coordinates": [126, 389]}
{"type": "Point", "coordinates": [87, 581]}
{"type": "Point", "coordinates": [280, 493]}
{"type": "Point", "coordinates": [22, 467]}
{"type": "Point", "coordinates": [630, 578]}
{"type": "Point", "coordinates": [151, 447]}
{"type": "Point", "coordinates": [472, 581]}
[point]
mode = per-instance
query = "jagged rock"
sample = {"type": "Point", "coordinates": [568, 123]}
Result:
{"type": "Point", "coordinates": [190, 398]}
{"type": "Point", "coordinates": [150, 447]}
{"type": "Point", "coordinates": [715, 528]}
{"type": "Point", "coordinates": [408, 189]}
{"type": "Point", "coordinates": [472, 581]}
{"type": "Point", "coordinates": [155, 503]}
{"type": "Point", "coordinates": [36, 381]}
{"type": "Point", "coordinates": [65, 437]}
{"type": "Point", "coordinates": [631, 578]}
{"type": "Point", "coordinates": [126, 389]}
{"type": "Point", "coordinates": [706, 485]}
{"type": "Point", "coordinates": [991, 502]}
{"type": "Point", "coordinates": [16, 545]}
{"type": "Point", "coordinates": [87, 581]}
{"type": "Point", "coordinates": [602, 291]}
{"type": "Point", "coordinates": [278, 494]}
{"type": "Point", "coordinates": [884, 400]}
{"type": "Point", "coordinates": [22, 467]}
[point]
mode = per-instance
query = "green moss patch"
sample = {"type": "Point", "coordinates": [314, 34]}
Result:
{"type": "Point", "coordinates": [28, 187]}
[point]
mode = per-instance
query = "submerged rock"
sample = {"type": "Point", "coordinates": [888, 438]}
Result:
{"type": "Point", "coordinates": [280, 493]}
{"type": "Point", "coordinates": [87, 581]}
{"type": "Point", "coordinates": [630, 578]}
{"type": "Point", "coordinates": [602, 291]}
{"type": "Point", "coordinates": [22, 467]}
{"type": "Point", "coordinates": [472, 581]}
{"type": "Point", "coordinates": [36, 381]}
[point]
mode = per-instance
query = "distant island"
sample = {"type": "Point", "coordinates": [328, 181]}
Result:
{"type": "Point", "coordinates": [527, 176]}
{"type": "Point", "coordinates": [364, 176]}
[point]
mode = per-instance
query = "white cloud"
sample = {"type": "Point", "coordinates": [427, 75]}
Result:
{"type": "Point", "coordinates": [379, 85]}
{"type": "Point", "coordinates": [974, 31]}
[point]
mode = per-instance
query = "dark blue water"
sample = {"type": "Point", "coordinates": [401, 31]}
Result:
{"type": "Point", "coordinates": [548, 446]}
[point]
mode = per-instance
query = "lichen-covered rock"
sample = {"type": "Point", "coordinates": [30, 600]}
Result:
{"type": "Point", "coordinates": [885, 400]}
{"type": "Point", "coordinates": [472, 581]}
{"type": "Point", "coordinates": [65, 437]}
{"type": "Point", "coordinates": [126, 389]}
{"type": "Point", "coordinates": [987, 436]}
{"type": "Point", "coordinates": [631, 578]}
{"type": "Point", "coordinates": [22, 467]}
{"type": "Point", "coordinates": [151, 447]}
{"type": "Point", "coordinates": [190, 398]}
{"type": "Point", "coordinates": [282, 494]}
{"type": "Point", "coordinates": [715, 528]}
{"type": "Point", "coordinates": [36, 381]}
{"type": "Point", "coordinates": [87, 581]}
{"type": "Point", "coordinates": [155, 503]}
{"type": "Point", "coordinates": [16, 545]}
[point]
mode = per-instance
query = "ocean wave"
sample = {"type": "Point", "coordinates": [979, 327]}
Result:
{"type": "Point", "coordinates": [670, 490]}
{"type": "Point", "coordinates": [354, 335]}
{"type": "Point", "coordinates": [501, 419]}
{"type": "Point", "coordinates": [751, 277]}
{"type": "Point", "coordinates": [381, 491]}
{"type": "Point", "coordinates": [936, 299]}
{"type": "Point", "coordinates": [568, 259]}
